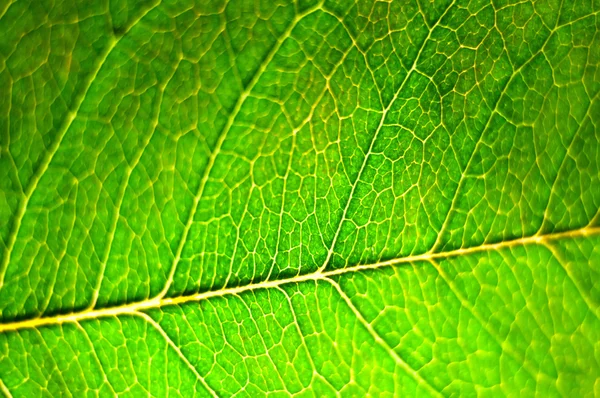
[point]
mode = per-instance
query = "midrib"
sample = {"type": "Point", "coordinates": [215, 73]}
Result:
{"type": "Point", "coordinates": [133, 308]}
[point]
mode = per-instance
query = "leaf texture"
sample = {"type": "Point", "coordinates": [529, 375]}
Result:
{"type": "Point", "coordinates": [310, 198]}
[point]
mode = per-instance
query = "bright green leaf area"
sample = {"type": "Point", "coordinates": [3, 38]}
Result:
{"type": "Point", "coordinates": [272, 198]}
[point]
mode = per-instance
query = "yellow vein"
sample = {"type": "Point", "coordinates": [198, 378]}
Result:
{"type": "Point", "coordinates": [45, 163]}
{"type": "Point", "coordinates": [374, 139]}
{"type": "Point", "coordinates": [567, 266]}
{"type": "Point", "coordinates": [162, 87]}
{"type": "Point", "coordinates": [170, 342]}
{"type": "Point", "coordinates": [267, 352]}
{"type": "Point", "coordinates": [488, 123]}
{"type": "Point", "coordinates": [157, 302]}
{"type": "Point", "coordinates": [379, 340]}
{"type": "Point", "coordinates": [49, 155]}
{"type": "Point", "coordinates": [304, 344]}
{"type": "Point", "coordinates": [94, 355]}
{"type": "Point", "coordinates": [211, 161]}
{"type": "Point", "coordinates": [5, 390]}
{"type": "Point", "coordinates": [503, 342]}
{"type": "Point", "coordinates": [552, 197]}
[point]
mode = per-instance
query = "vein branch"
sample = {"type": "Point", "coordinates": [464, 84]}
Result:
{"type": "Point", "coordinates": [438, 244]}
{"type": "Point", "coordinates": [5, 390]}
{"type": "Point", "coordinates": [170, 342]}
{"type": "Point", "coordinates": [379, 340]}
{"type": "Point", "coordinates": [213, 156]}
{"type": "Point", "coordinates": [60, 135]}
{"type": "Point", "coordinates": [374, 139]}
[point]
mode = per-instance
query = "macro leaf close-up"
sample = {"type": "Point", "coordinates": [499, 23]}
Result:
{"type": "Point", "coordinates": [316, 198]}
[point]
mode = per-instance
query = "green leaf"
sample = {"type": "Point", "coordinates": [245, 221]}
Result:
{"type": "Point", "coordinates": [329, 198]}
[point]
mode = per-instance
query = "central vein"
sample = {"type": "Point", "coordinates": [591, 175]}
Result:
{"type": "Point", "coordinates": [155, 303]}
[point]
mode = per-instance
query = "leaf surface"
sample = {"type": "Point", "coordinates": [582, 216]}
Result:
{"type": "Point", "coordinates": [313, 199]}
